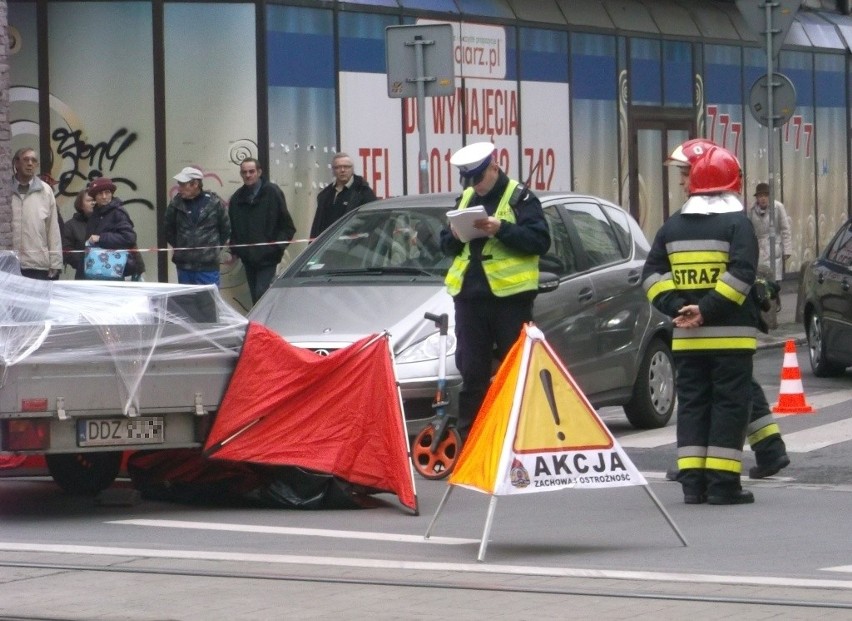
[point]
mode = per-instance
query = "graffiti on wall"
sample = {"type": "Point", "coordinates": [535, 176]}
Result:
{"type": "Point", "coordinates": [82, 160]}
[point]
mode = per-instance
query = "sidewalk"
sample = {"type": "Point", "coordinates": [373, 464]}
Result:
{"type": "Point", "coordinates": [787, 326]}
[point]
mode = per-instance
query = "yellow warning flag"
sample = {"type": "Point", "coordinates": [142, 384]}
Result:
{"type": "Point", "coordinates": [480, 456]}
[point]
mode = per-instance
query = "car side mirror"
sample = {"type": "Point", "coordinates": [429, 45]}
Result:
{"type": "Point", "coordinates": [547, 282]}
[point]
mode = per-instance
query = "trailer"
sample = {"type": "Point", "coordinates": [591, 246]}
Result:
{"type": "Point", "coordinates": [92, 369]}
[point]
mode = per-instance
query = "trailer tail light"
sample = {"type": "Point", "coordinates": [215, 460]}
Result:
{"type": "Point", "coordinates": [34, 405]}
{"type": "Point", "coordinates": [26, 434]}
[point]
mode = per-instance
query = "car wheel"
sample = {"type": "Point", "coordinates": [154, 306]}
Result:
{"type": "Point", "coordinates": [84, 473]}
{"type": "Point", "coordinates": [652, 403]}
{"type": "Point", "coordinates": [816, 350]}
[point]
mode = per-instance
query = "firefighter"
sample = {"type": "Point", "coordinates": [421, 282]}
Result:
{"type": "Point", "coordinates": [763, 434]}
{"type": "Point", "coordinates": [699, 271]}
{"type": "Point", "coordinates": [494, 275]}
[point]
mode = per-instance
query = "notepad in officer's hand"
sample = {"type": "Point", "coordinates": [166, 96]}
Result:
{"type": "Point", "coordinates": [463, 219]}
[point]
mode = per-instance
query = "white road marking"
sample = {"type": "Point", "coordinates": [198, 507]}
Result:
{"type": "Point", "coordinates": [816, 437]}
{"type": "Point", "coordinates": [479, 568]}
{"type": "Point", "coordinates": [649, 439]}
{"type": "Point", "coordinates": [303, 532]}
{"type": "Point", "coordinates": [845, 568]}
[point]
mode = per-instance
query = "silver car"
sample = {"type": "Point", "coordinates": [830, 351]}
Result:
{"type": "Point", "coordinates": [381, 268]}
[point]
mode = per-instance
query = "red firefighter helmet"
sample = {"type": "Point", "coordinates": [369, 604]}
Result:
{"type": "Point", "coordinates": [685, 154]}
{"type": "Point", "coordinates": [715, 171]}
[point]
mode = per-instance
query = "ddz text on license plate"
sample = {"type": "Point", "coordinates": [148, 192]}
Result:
{"type": "Point", "coordinates": [117, 431]}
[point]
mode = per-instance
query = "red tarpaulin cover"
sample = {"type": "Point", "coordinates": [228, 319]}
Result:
{"type": "Point", "coordinates": [339, 414]}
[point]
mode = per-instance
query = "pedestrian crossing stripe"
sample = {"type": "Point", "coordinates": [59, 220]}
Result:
{"type": "Point", "coordinates": [557, 417]}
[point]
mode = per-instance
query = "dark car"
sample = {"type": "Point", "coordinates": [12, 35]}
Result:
{"type": "Point", "coordinates": [381, 268]}
{"type": "Point", "coordinates": [827, 310]}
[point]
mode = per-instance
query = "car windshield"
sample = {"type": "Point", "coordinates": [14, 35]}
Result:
{"type": "Point", "coordinates": [382, 242]}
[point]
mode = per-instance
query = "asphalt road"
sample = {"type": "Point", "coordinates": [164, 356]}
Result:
{"type": "Point", "coordinates": [608, 553]}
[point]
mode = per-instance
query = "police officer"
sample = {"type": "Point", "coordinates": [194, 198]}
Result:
{"type": "Point", "coordinates": [699, 271]}
{"type": "Point", "coordinates": [493, 278]}
{"type": "Point", "coordinates": [763, 433]}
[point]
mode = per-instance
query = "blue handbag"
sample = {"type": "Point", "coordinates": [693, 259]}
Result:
{"type": "Point", "coordinates": [101, 264]}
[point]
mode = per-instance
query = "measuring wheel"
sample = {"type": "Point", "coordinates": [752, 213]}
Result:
{"type": "Point", "coordinates": [438, 464]}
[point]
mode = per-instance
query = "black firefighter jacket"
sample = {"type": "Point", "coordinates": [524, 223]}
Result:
{"type": "Point", "coordinates": [708, 259]}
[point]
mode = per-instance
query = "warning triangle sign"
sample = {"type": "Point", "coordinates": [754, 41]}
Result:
{"type": "Point", "coordinates": [556, 415]}
{"type": "Point", "coordinates": [537, 431]}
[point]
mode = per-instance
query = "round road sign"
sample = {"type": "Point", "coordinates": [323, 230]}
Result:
{"type": "Point", "coordinates": [783, 99]}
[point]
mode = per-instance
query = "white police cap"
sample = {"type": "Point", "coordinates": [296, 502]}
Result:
{"type": "Point", "coordinates": [473, 159]}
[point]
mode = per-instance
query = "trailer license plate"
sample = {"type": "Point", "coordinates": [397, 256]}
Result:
{"type": "Point", "coordinates": [118, 431]}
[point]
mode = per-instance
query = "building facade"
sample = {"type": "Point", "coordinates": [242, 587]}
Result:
{"type": "Point", "coordinates": [586, 95]}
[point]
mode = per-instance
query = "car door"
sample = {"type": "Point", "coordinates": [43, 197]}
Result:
{"type": "Point", "coordinates": [621, 312]}
{"type": "Point", "coordinates": [566, 315]}
{"type": "Point", "coordinates": [834, 276]}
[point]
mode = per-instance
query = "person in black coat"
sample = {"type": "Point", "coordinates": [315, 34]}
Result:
{"type": "Point", "coordinates": [261, 226]}
{"type": "Point", "coordinates": [346, 193]}
{"type": "Point", "coordinates": [109, 226]}
{"type": "Point", "coordinates": [74, 232]}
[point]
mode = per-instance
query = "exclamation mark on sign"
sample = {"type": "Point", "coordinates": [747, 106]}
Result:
{"type": "Point", "coordinates": [547, 384]}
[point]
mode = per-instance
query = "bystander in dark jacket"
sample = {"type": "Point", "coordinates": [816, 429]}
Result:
{"type": "Point", "coordinates": [346, 193]}
{"type": "Point", "coordinates": [260, 227]}
{"type": "Point", "coordinates": [109, 226]}
{"type": "Point", "coordinates": [197, 226]}
{"type": "Point", "coordinates": [74, 232]}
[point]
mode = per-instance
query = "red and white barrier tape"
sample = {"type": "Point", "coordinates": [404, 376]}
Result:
{"type": "Point", "coordinates": [218, 247]}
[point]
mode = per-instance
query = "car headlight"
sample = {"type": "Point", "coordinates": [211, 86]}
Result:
{"type": "Point", "coordinates": [427, 349]}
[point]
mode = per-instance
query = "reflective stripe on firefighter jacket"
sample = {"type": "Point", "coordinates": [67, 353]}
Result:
{"type": "Point", "coordinates": [508, 271]}
{"type": "Point", "coordinates": [709, 260]}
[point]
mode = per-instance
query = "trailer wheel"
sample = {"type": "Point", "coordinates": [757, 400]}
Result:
{"type": "Point", "coordinates": [84, 473]}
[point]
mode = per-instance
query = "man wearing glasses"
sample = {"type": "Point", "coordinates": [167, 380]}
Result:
{"type": "Point", "coordinates": [35, 223]}
{"type": "Point", "coordinates": [346, 193]}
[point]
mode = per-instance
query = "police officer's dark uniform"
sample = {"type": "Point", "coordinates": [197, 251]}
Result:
{"type": "Point", "coordinates": [493, 280]}
{"type": "Point", "coordinates": [706, 255]}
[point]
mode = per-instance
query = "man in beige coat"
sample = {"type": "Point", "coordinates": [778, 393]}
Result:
{"type": "Point", "coordinates": [759, 216]}
{"type": "Point", "coordinates": [35, 224]}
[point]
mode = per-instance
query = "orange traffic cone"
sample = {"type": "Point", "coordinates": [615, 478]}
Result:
{"type": "Point", "coordinates": [791, 396]}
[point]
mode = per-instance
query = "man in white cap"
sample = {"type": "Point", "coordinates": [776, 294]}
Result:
{"type": "Point", "coordinates": [493, 278]}
{"type": "Point", "coordinates": [197, 227]}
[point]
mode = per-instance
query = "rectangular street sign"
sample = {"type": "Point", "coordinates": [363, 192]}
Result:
{"type": "Point", "coordinates": [435, 42]}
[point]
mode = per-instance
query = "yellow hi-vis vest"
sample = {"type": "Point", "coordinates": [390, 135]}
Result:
{"type": "Point", "coordinates": [508, 271]}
